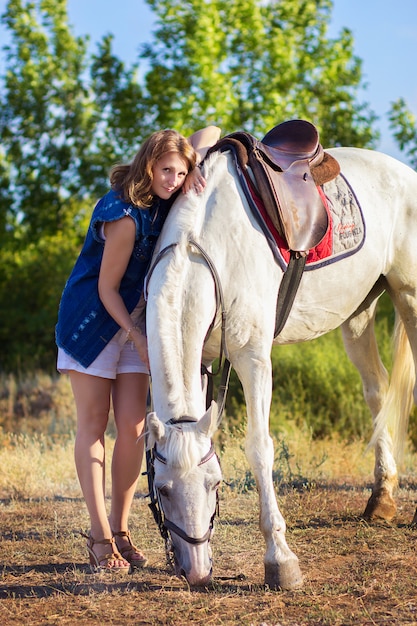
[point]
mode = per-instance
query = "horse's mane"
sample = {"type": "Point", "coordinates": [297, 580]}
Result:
{"type": "Point", "coordinates": [185, 222]}
{"type": "Point", "coordinates": [171, 293]}
{"type": "Point", "coordinates": [188, 213]}
{"type": "Point", "coordinates": [180, 446]}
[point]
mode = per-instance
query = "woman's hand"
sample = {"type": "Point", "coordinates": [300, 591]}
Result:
{"type": "Point", "coordinates": [201, 141]}
{"type": "Point", "coordinates": [195, 181]}
{"type": "Point", "coordinates": [141, 344]}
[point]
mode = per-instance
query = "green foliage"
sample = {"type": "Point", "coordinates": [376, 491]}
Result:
{"type": "Point", "coordinates": [31, 282]}
{"type": "Point", "coordinates": [404, 125]}
{"type": "Point", "coordinates": [248, 65]}
{"type": "Point", "coordinates": [45, 122]}
{"type": "Point", "coordinates": [315, 385]}
{"type": "Point", "coordinates": [65, 119]}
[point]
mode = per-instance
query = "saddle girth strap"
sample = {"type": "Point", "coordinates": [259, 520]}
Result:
{"type": "Point", "coordinates": [288, 290]}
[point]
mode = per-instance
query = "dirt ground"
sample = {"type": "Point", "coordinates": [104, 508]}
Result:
{"type": "Point", "coordinates": [355, 573]}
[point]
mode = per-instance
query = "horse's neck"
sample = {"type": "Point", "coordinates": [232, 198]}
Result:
{"type": "Point", "coordinates": [184, 303]}
{"type": "Point", "coordinates": [175, 305]}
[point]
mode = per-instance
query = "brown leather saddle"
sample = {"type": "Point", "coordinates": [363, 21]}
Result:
{"type": "Point", "coordinates": [287, 165]}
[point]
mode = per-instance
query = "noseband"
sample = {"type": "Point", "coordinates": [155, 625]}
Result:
{"type": "Point", "coordinates": [165, 525]}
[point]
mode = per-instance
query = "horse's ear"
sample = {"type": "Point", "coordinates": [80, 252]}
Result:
{"type": "Point", "coordinates": [156, 429]}
{"type": "Point", "coordinates": [208, 423]}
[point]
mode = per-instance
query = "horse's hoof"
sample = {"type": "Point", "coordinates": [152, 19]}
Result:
{"type": "Point", "coordinates": [283, 577]}
{"type": "Point", "coordinates": [380, 506]}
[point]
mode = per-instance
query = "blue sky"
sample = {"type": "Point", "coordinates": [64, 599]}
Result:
{"type": "Point", "coordinates": [385, 35]}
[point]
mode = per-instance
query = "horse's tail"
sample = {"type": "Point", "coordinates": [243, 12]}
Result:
{"type": "Point", "coordinates": [398, 402]}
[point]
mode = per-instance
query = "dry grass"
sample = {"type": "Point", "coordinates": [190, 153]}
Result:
{"type": "Point", "coordinates": [355, 573]}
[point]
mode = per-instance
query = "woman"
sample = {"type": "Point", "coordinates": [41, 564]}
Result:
{"type": "Point", "coordinates": [101, 341]}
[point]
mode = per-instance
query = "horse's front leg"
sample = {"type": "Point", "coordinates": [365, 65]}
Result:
{"type": "Point", "coordinates": [282, 570]}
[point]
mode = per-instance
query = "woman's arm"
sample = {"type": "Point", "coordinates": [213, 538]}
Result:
{"type": "Point", "coordinates": [201, 141]}
{"type": "Point", "coordinates": [204, 139]}
{"type": "Point", "coordinates": [120, 240]}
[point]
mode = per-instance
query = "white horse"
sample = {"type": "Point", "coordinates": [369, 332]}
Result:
{"type": "Point", "coordinates": [184, 323]}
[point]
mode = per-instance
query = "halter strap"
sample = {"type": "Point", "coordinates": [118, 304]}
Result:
{"type": "Point", "coordinates": [157, 455]}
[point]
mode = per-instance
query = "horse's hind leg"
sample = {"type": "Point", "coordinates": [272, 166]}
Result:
{"type": "Point", "coordinates": [282, 570]}
{"type": "Point", "coordinates": [405, 360]}
{"type": "Point", "coordinates": [361, 347]}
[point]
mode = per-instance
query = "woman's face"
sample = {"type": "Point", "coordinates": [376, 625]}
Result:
{"type": "Point", "coordinates": [168, 175]}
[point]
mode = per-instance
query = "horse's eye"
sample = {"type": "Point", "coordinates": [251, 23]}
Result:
{"type": "Point", "coordinates": [164, 491]}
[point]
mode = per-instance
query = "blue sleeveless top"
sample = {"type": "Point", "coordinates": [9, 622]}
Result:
{"type": "Point", "coordinates": [84, 326]}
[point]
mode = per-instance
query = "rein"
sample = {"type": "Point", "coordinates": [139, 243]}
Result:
{"type": "Point", "coordinates": [220, 304]}
{"type": "Point", "coordinates": [165, 525]}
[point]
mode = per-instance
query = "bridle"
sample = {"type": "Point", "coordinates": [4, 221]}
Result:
{"type": "Point", "coordinates": [220, 304]}
{"type": "Point", "coordinates": [165, 525]}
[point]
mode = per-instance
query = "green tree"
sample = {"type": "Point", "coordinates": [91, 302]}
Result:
{"type": "Point", "coordinates": [31, 281]}
{"type": "Point", "coordinates": [66, 117]}
{"type": "Point", "coordinates": [248, 65]}
{"type": "Point", "coordinates": [404, 126]}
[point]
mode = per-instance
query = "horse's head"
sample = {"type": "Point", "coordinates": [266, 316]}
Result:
{"type": "Point", "coordinates": [185, 475]}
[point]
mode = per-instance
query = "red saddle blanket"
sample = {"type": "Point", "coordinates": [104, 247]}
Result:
{"type": "Point", "coordinates": [346, 231]}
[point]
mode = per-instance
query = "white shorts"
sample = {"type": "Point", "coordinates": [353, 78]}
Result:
{"type": "Point", "coordinates": [118, 357]}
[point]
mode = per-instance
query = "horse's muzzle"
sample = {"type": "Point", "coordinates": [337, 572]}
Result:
{"type": "Point", "coordinates": [196, 581]}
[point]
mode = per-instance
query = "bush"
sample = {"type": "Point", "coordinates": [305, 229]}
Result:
{"type": "Point", "coordinates": [31, 283]}
{"type": "Point", "coordinates": [315, 385]}
{"type": "Point", "coordinates": [37, 403]}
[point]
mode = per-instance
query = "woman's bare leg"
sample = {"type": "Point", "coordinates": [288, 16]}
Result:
{"type": "Point", "coordinates": [92, 399]}
{"type": "Point", "coordinates": [129, 403]}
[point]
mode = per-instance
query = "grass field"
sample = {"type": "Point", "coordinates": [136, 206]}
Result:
{"type": "Point", "coordinates": [355, 573]}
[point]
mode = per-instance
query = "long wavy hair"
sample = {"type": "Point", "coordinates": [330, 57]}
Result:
{"type": "Point", "coordinates": [135, 180]}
